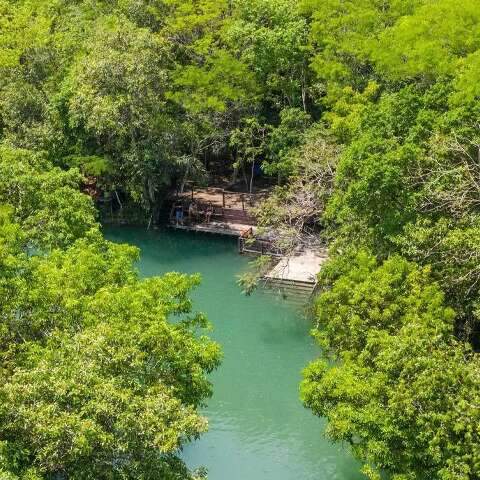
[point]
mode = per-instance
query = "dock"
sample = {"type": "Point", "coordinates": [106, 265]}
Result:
{"type": "Point", "coordinates": [297, 274]}
{"type": "Point", "coordinates": [229, 212]}
{"type": "Point", "coordinates": [293, 274]}
{"type": "Point", "coordinates": [237, 230]}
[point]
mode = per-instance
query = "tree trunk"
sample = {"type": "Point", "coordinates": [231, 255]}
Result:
{"type": "Point", "coordinates": [151, 194]}
{"type": "Point", "coordinates": [304, 90]}
{"type": "Point", "coordinates": [251, 178]}
{"type": "Point", "coordinates": [245, 179]}
{"type": "Point", "coordinates": [235, 175]}
{"type": "Point", "coordinates": [235, 168]}
{"type": "Point", "coordinates": [118, 200]}
{"type": "Point", "coordinates": [184, 180]}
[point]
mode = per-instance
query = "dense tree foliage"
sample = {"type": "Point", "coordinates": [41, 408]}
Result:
{"type": "Point", "coordinates": [101, 372]}
{"type": "Point", "coordinates": [399, 311]}
{"type": "Point", "coordinates": [150, 88]}
{"type": "Point", "coordinates": [46, 200]}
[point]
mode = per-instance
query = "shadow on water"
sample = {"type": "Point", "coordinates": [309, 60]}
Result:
{"type": "Point", "coordinates": [258, 427]}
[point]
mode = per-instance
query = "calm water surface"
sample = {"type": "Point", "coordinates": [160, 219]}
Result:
{"type": "Point", "coordinates": [258, 427]}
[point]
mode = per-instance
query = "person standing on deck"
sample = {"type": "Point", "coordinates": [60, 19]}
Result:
{"type": "Point", "coordinates": [208, 212]}
{"type": "Point", "coordinates": [179, 214]}
{"type": "Point", "coordinates": [193, 212]}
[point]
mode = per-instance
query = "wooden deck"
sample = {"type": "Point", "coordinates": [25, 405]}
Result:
{"type": "Point", "coordinates": [295, 275]}
{"type": "Point", "coordinates": [230, 211]}
{"type": "Point", "coordinates": [218, 228]}
{"type": "Point", "coordinates": [220, 197]}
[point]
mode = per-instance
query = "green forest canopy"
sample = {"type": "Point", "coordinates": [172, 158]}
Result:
{"type": "Point", "coordinates": [365, 114]}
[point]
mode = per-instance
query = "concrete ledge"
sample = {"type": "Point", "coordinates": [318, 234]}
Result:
{"type": "Point", "coordinates": [301, 268]}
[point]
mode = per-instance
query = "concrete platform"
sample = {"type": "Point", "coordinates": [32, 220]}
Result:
{"type": "Point", "coordinates": [302, 268]}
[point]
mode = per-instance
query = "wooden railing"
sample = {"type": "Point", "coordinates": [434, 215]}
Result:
{"type": "Point", "coordinates": [247, 243]}
{"type": "Point", "coordinates": [247, 199]}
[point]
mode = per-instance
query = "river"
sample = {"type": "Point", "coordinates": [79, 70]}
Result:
{"type": "Point", "coordinates": [259, 430]}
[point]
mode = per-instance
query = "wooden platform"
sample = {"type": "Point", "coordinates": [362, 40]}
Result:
{"type": "Point", "coordinates": [218, 228]}
{"type": "Point", "coordinates": [220, 197]}
{"type": "Point", "coordinates": [230, 213]}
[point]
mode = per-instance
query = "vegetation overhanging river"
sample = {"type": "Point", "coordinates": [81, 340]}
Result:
{"type": "Point", "coordinates": [258, 427]}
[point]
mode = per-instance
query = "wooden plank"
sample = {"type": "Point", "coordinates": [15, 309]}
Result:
{"type": "Point", "coordinates": [234, 230]}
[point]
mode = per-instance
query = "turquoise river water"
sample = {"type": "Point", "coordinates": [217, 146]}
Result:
{"type": "Point", "coordinates": [259, 430]}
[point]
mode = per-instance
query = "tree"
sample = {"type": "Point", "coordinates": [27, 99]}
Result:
{"type": "Point", "coordinates": [400, 381]}
{"type": "Point", "coordinates": [46, 200]}
{"type": "Point", "coordinates": [114, 96]}
{"type": "Point", "coordinates": [405, 391]}
{"type": "Point", "coordinates": [294, 212]}
{"type": "Point", "coordinates": [270, 37]}
{"type": "Point", "coordinates": [410, 48]}
{"type": "Point", "coordinates": [283, 140]}
{"type": "Point", "coordinates": [97, 380]}
{"type": "Point", "coordinates": [102, 373]}
{"type": "Point", "coordinates": [250, 142]}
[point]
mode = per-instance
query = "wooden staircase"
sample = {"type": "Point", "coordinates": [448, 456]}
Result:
{"type": "Point", "coordinates": [294, 292]}
{"type": "Point", "coordinates": [296, 276]}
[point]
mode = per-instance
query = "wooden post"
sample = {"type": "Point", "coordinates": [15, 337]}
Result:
{"type": "Point", "coordinates": [192, 192]}
{"type": "Point", "coordinates": [243, 202]}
